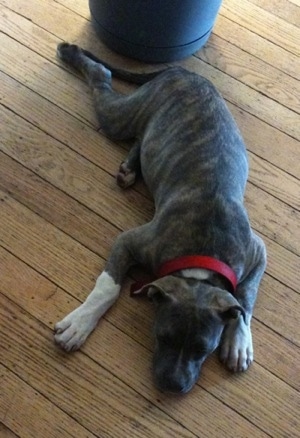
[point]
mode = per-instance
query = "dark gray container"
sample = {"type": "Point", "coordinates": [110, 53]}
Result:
{"type": "Point", "coordinates": [154, 30]}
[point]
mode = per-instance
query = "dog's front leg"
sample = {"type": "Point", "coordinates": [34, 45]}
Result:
{"type": "Point", "coordinates": [236, 349]}
{"type": "Point", "coordinates": [72, 331]}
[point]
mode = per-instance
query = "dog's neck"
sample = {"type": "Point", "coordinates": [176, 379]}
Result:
{"type": "Point", "coordinates": [201, 264]}
{"type": "Point", "coordinates": [215, 277]}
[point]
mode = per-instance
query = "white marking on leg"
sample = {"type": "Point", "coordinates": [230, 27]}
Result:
{"type": "Point", "coordinates": [72, 331]}
{"type": "Point", "coordinates": [236, 350]}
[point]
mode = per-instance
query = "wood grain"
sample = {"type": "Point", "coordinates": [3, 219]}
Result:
{"type": "Point", "coordinates": [6, 433]}
{"type": "Point", "coordinates": [284, 9]}
{"type": "Point", "coordinates": [257, 74]}
{"type": "Point", "coordinates": [263, 23]}
{"type": "Point", "coordinates": [257, 46]}
{"type": "Point", "coordinates": [29, 414]}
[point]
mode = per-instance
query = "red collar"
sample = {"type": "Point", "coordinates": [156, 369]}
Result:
{"type": "Point", "coordinates": [189, 262]}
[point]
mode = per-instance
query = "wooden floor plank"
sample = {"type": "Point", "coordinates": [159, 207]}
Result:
{"type": "Point", "coordinates": [6, 433]}
{"type": "Point", "coordinates": [81, 8]}
{"type": "Point", "coordinates": [40, 75]}
{"type": "Point", "coordinates": [62, 211]}
{"type": "Point", "coordinates": [273, 393]}
{"type": "Point", "coordinates": [269, 300]}
{"type": "Point", "coordinates": [19, 404]}
{"type": "Point", "coordinates": [59, 255]}
{"type": "Point", "coordinates": [263, 23]}
{"type": "Point", "coordinates": [295, 2]}
{"type": "Point", "coordinates": [275, 219]}
{"type": "Point", "coordinates": [50, 16]}
{"type": "Point", "coordinates": [270, 179]}
{"type": "Point", "coordinates": [257, 46]}
{"type": "Point", "coordinates": [255, 73]}
{"type": "Point", "coordinates": [284, 9]}
{"type": "Point", "coordinates": [63, 127]}
{"type": "Point", "coordinates": [282, 264]}
{"type": "Point", "coordinates": [72, 173]}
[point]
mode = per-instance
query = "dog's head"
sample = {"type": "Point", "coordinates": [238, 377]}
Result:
{"type": "Point", "coordinates": [190, 317]}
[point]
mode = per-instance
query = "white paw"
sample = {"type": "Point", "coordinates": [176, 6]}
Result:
{"type": "Point", "coordinates": [72, 331]}
{"type": "Point", "coordinates": [236, 350]}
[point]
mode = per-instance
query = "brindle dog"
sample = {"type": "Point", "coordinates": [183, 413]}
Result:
{"type": "Point", "coordinates": [192, 158]}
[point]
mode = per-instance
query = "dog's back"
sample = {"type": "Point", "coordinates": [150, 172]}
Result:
{"type": "Point", "coordinates": [191, 140]}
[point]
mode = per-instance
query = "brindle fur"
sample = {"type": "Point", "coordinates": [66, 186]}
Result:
{"type": "Point", "coordinates": [192, 158]}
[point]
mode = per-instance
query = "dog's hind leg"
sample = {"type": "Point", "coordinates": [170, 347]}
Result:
{"type": "Point", "coordinates": [130, 168]}
{"type": "Point", "coordinates": [119, 115]}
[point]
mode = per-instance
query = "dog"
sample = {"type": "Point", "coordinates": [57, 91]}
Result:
{"type": "Point", "coordinates": [206, 260]}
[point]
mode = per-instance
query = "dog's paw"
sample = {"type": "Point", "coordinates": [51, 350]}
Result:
{"type": "Point", "coordinates": [67, 52]}
{"type": "Point", "coordinates": [236, 350]}
{"type": "Point", "coordinates": [72, 331]}
{"type": "Point", "coordinates": [125, 177]}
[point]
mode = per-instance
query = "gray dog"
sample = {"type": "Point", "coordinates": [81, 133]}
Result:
{"type": "Point", "coordinates": [206, 260]}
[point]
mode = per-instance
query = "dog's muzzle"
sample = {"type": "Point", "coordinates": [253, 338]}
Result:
{"type": "Point", "coordinates": [175, 378]}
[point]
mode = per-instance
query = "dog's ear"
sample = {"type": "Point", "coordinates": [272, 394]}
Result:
{"type": "Point", "coordinates": [159, 291]}
{"type": "Point", "coordinates": [227, 306]}
{"type": "Point", "coordinates": [158, 295]}
{"type": "Point", "coordinates": [233, 312]}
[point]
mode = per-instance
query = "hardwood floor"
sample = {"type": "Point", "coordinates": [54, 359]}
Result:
{"type": "Point", "coordinates": [61, 210]}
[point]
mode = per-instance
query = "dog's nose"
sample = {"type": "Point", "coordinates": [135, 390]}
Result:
{"type": "Point", "coordinates": [171, 385]}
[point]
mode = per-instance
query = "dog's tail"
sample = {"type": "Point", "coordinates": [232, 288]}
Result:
{"type": "Point", "coordinates": [134, 78]}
